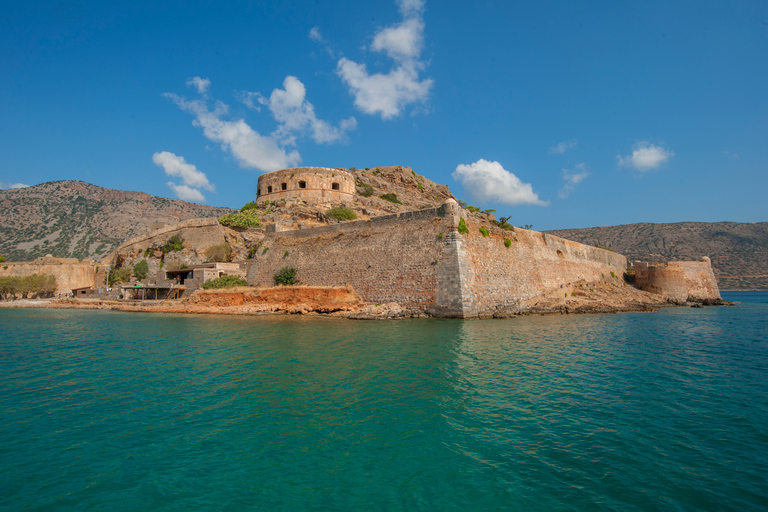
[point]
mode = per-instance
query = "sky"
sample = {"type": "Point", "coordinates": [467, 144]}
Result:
{"type": "Point", "coordinates": [558, 114]}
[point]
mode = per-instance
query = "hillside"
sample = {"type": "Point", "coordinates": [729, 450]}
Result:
{"type": "Point", "coordinates": [79, 220]}
{"type": "Point", "coordinates": [739, 251]}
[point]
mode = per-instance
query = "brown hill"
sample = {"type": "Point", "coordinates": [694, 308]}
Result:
{"type": "Point", "coordinates": [739, 251]}
{"type": "Point", "coordinates": [74, 219]}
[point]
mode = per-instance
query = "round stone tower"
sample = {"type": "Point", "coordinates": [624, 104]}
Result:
{"type": "Point", "coordinates": [318, 183]}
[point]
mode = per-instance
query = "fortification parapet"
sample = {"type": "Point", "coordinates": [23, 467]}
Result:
{"type": "Point", "coordinates": [681, 281]}
{"type": "Point", "coordinates": [313, 183]}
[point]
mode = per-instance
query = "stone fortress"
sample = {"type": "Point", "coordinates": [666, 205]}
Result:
{"type": "Point", "coordinates": [427, 254]}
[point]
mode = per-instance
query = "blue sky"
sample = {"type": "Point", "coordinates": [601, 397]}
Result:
{"type": "Point", "coordinates": [560, 114]}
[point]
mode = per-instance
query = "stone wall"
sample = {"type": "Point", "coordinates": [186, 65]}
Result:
{"type": "Point", "coordinates": [681, 281]}
{"type": "Point", "coordinates": [419, 260]}
{"type": "Point", "coordinates": [69, 273]}
{"type": "Point", "coordinates": [200, 233]}
{"type": "Point", "coordinates": [318, 183]}
{"type": "Point", "coordinates": [392, 258]}
{"type": "Point", "coordinates": [534, 263]}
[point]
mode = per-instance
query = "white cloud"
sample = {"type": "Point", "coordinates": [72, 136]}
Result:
{"type": "Point", "coordinates": [295, 114]}
{"type": "Point", "coordinates": [387, 94]}
{"type": "Point", "coordinates": [176, 166]}
{"type": "Point", "coordinates": [249, 148]}
{"type": "Point", "coordinates": [201, 84]}
{"type": "Point", "coordinates": [489, 181]}
{"type": "Point", "coordinates": [186, 193]}
{"type": "Point", "coordinates": [562, 147]}
{"type": "Point", "coordinates": [572, 177]}
{"type": "Point", "coordinates": [252, 100]}
{"type": "Point", "coordinates": [645, 156]}
{"type": "Point", "coordinates": [10, 186]}
{"type": "Point", "coordinates": [314, 34]}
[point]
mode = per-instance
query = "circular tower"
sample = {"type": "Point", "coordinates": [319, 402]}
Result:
{"type": "Point", "coordinates": [312, 183]}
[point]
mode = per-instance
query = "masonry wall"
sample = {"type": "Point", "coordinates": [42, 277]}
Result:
{"type": "Point", "coordinates": [69, 273]}
{"type": "Point", "coordinates": [394, 258]}
{"type": "Point", "coordinates": [680, 280]}
{"type": "Point", "coordinates": [534, 263]}
{"type": "Point", "coordinates": [201, 233]}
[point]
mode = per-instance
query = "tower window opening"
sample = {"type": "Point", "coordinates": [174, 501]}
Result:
{"type": "Point", "coordinates": [335, 186]}
{"type": "Point", "coordinates": [302, 184]}
{"type": "Point", "coordinates": [258, 192]}
{"type": "Point", "coordinates": [269, 189]}
{"type": "Point", "coordinates": [284, 186]}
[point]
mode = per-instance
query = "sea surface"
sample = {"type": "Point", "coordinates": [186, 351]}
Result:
{"type": "Point", "coordinates": [103, 410]}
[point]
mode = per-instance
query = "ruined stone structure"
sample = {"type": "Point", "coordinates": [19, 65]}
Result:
{"type": "Point", "coordinates": [70, 273]}
{"type": "Point", "coordinates": [420, 260]}
{"type": "Point", "coordinates": [308, 183]}
{"type": "Point", "coordinates": [681, 281]}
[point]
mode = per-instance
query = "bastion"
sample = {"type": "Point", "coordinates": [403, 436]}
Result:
{"type": "Point", "coordinates": [313, 183]}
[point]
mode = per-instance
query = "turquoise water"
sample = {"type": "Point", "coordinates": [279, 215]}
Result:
{"type": "Point", "coordinates": [121, 411]}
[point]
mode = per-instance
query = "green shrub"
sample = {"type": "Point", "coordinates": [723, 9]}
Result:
{"type": "Point", "coordinates": [175, 243]}
{"type": "Point", "coordinates": [161, 263]}
{"type": "Point", "coordinates": [502, 223]}
{"type": "Point", "coordinates": [253, 205]}
{"type": "Point", "coordinates": [224, 282]}
{"type": "Point", "coordinates": [613, 275]}
{"type": "Point", "coordinates": [254, 249]}
{"type": "Point", "coordinates": [141, 269]}
{"type": "Point", "coordinates": [440, 236]}
{"type": "Point", "coordinates": [364, 190]}
{"type": "Point", "coordinates": [121, 275]}
{"type": "Point", "coordinates": [2, 259]}
{"type": "Point", "coordinates": [507, 242]}
{"type": "Point", "coordinates": [421, 189]}
{"type": "Point", "coordinates": [285, 254]}
{"type": "Point", "coordinates": [484, 232]}
{"type": "Point", "coordinates": [473, 209]}
{"type": "Point", "coordinates": [244, 219]}
{"type": "Point", "coordinates": [286, 276]}
{"type": "Point", "coordinates": [341, 213]}
{"type": "Point", "coordinates": [463, 229]}
{"type": "Point", "coordinates": [221, 252]}
{"type": "Point", "coordinates": [391, 197]}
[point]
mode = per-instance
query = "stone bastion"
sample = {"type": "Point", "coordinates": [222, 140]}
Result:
{"type": "Point", "coordinates": [318, 183]}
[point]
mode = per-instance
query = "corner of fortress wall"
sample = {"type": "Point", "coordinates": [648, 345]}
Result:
{"type": "Point", "coordinates": [680, 280]}
{"type": "Point", "coordinates": [419, 260]}
{"type": "Point", "coordinates": [69, 273]}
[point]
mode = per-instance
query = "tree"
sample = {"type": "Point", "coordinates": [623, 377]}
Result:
{"type": "Point", "coordinates": [118, 276]}
{"type": "Point", "coordinates": [141, 269]}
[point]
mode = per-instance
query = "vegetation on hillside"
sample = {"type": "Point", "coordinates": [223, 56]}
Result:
{"type": "Point", "coordinates": [119, 275]}
{"type": "Point", "coordinates": [286, 276]}
{"type": "Point", "coordinates": [248, 218]}
{"type": "Point", "coordinates": [220, 253]}
{"type": "Point", "coordinates": [391, 197]}
{"type": "Point", "coordinates": [141, 269]}
{"type": "Point", "coordinates": [175, 243]}
{"type": "Point", "coordinates": [341, 213]}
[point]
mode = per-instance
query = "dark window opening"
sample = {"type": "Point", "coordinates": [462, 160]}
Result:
{"type": "Point", "coordinates": [258, 192]}
{"type": "Point", "coordinates": [335, 186]}
{"type": "Point", "coordinates": [284, 186]}
{"type": "Point", "coordinates": [269, 190]}
{"type": "Point", "coordinates": [302, 184]}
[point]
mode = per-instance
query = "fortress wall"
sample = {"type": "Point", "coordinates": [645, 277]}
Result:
{"type": "Point", "coordinates": [535, 263]}
{"type": "Point", "coordinates": [680, 280]}
{"type": "Point", "coordinates": [394, 258]}
{"type": "Point", "coordinates": [200, 233]}
{"type": "Point", "coordinates": [69, 273]}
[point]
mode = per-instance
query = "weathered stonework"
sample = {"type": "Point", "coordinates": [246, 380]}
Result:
{"type": "Point", "coordinates": [69, 273]}
{"type": "Point", "coordinates": [313, 183]}
{"type": "Point", "coordinates": [681, 281]}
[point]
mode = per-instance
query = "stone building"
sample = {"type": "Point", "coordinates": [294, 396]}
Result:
{"type": "Point", "coordinates": [313, 183]}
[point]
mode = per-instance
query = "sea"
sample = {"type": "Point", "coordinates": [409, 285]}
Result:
{"type": "Point", "coordinates": [104, 410]}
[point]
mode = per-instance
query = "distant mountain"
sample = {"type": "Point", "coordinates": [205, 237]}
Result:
{"type": "Point", "coordinates": [739, 252]}
{"type": "Point", "coordinates": [75, 219]}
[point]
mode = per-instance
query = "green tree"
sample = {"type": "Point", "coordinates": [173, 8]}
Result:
{"type": "Point", "coordinates": [121, 275]}
{"type": "Point", "coordinates": [341, 213]}
{"type": "Point", "coordinates": [286, 276]}
{"type": "Point", "coordinates": [221, 253]}
{"type": "Point", "coordinates": [141, 269]}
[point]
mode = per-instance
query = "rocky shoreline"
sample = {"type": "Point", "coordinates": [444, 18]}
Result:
{"type": "Point", "coordinates": [345, 303]}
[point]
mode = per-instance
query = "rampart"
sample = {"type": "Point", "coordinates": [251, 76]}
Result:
{"type": "Point", "coordinates": [199, 232]}
{"type": "Point", "coordinates": [69, 273]}
{"type": "Point", "coordinates": [681, 280]}
{"type": "Point", "coordinates": [419, 260]}
{"type": "Point", "coordinates": [314, 183]}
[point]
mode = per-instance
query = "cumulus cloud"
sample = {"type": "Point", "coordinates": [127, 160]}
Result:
{"type": "Point", "coordinates": [489, 181]}
{"type": "Point", "coordinates": [9, 186]}
{"type": "Point", "coordinates": [186, 193]}
{"type": "Point", "coordinates": [295, 114]}
{"type": "Point", "coordinates": [387, 94]}
{"type": "Point", "coordinates": [572, 177]}
{"type": "Point", "coordinates": [201, 84]}
{"type": "Point", "coordinates": [562, 147]}
{"type": "Point", "coordinates": [645, 156]}
{"type": "Point", "coordinates": [174, 165]}
{"type": "Point", "coordinates": [249, 148]}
